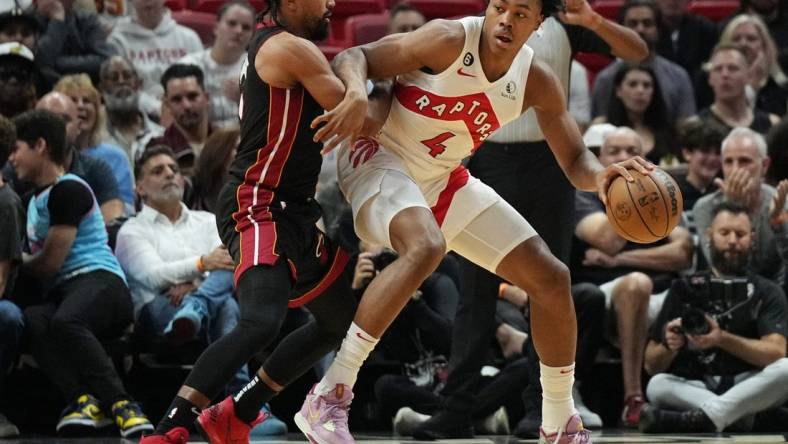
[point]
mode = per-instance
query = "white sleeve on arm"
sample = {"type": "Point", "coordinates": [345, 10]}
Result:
{"type": "Point", "coordinates": [141, 261]}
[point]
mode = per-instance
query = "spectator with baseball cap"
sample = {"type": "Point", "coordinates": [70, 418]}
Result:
{"type": "Point", "coordinates": [17, 79]}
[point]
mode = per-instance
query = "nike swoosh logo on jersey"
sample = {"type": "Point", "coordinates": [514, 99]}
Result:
{"type": "Point", "coordinates": [463, 73]}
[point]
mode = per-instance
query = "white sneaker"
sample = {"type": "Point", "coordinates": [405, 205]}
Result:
{"type": "Point", "coordinates": [7, 428]}
{"type": "Point", "coordinates": [590, 419]}
{"type": "Point", "coordinates": [406, 420]}
{"type": "Point", "coordinates": [495, 424]}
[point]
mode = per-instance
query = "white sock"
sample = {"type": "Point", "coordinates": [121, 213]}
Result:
{"type": "Point", "coordinates": [557, 402]}
{"type": "Point", "coordinates": [356, 346]}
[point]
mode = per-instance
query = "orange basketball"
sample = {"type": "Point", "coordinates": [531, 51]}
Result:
{"type": "Point", "coordinates": [646, 210]}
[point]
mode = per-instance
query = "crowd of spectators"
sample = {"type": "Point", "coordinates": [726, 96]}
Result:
{"type": "Point", "coordinates": [117, 129]}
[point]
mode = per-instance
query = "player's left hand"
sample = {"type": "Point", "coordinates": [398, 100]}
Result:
{"type": "Point", "coordinates": [345, 121]}
{"type": "Point", "coordinates": [605, 177]}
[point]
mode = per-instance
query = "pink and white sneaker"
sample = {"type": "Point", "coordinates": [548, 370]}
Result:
{"type": "Point", "coordinates": [572, 433]}
{"type": "Point", "coordinates": [323, 418]}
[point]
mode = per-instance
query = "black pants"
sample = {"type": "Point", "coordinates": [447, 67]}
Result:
{"type": "Point", "coordinates": [397, 391]}
{"type": "Point", "coordinates": [65, 334]}
{"type": "Point", "coordinates": [264, 292]}
{"type": "Point", "coordinates": [529, 178]}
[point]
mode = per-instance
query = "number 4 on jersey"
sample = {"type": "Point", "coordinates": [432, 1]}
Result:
{"type": "Point", "coordinates": [436, 145]}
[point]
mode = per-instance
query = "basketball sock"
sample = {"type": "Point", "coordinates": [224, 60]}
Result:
{"type": "Point", "coordinates": [356, 346]}
{"type": "Point", "coordinates": [181, 413]}
{"type": "Point", "coordinates": [557, 402]}
{"type": "Point", "coordinates": [251, 399]}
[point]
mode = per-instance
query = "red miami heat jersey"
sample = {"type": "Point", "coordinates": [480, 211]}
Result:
{"type": "Point", "coordinates": [436, 120]}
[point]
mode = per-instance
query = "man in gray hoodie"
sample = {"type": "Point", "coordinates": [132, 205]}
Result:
{"type": "Point", "coordinates": [152, 41]}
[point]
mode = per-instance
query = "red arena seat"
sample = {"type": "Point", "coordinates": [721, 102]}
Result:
{"type": "Point", "coordinates": [201, 22]}
{"type": "Point", "coordinates": [346, 8]}
{"type": "Point", "coordinates": [448, 8]}
{"type": "Point", "coordinates": [608, 8]}
{"type": "Point", "coordinates": [211, 6]}
{"type": "Point", "coordinates": [175, 5]}
{"type": "Point", "coordinates": [714, 10]}
{"type": "Point", "coordinates": [365, 28]}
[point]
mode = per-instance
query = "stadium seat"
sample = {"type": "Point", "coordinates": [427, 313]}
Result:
{"type": "Point", "coordinates": [714, 10]}
{"type": "Point", "coordinates": [211, 6]}
{"type": "Point", "coordinates": [448, 8]}
{"type": "Point", "coordinates": [330, 51]}
{"type": "Point", "coordinates": [593, 63]}
{"type": "Point", "coordinates": [365, 28]}
{"type": "Point", "coordinates": [175, 5]}
{"type": "Point", "coordinates": [608, 8]}
{"type": "Point", "coordinates": [201, 22]}
{"type": "Point", "coordinates": [346, 8]}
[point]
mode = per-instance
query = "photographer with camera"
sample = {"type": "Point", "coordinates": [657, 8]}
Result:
{"type": "Point", "coordinates": [717, 350]}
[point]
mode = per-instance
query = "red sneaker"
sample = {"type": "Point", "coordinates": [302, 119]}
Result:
{"type": "Point", "coordinates": [219, 425]}
{"type": "Point", "coordinates": [178, 435]}
{"type": "Point", "coordinates": [633, 405]}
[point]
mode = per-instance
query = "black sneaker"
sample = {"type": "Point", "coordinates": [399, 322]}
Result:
{"type": "Point", "coordinates": [528, 427]}
{"type": "Point", "coordinates": [654, 420]}
{"type": "Point", "coordinates": [130, 420]}
{"type": "Point", "coordinates": [83, 416]}
{"type": "Point", "coordinates": [444, 424]}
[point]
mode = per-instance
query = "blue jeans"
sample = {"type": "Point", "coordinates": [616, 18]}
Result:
{"type": "Point", "coordinates": [12, 325]}
{"type": "Point", "coordinates": [216, 307]}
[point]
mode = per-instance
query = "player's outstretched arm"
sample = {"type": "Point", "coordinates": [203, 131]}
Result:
{"type": "Point", "coordinates": [543, 92]}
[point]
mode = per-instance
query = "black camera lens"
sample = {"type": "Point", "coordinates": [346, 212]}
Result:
{"type": "Point", "coordinates": [693, 322]}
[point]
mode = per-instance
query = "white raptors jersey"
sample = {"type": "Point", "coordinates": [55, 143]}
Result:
{"type": "Point", "coordinates": [437, 120]}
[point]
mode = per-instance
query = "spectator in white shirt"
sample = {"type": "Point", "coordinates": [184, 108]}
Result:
{"type": "Point", "coordinates": [222, 62]}
{"type": "Point", "coordinates": [166, 251]}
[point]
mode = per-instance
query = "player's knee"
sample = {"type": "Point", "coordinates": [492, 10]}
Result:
{"type": "Point", "coordinates": [427, 252]}
{"type": "Point", "coordinates": [554, 278]}
{"type": "Point", "coordinates": [255, 334]}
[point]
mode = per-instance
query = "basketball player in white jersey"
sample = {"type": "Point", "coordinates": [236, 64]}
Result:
{"type": "Point", "coordinates": [456, 82]}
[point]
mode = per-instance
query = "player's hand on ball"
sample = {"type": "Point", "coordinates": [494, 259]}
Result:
{"type": "Point", "coordinates": [345, 121]}
{"type": "Point", "coordinates": [605, 177]}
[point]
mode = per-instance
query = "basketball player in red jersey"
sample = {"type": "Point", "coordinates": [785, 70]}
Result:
{"type": "Point", "coordinates": [266, 217]}
{"type": "Point", "coordinates": [457, 81]}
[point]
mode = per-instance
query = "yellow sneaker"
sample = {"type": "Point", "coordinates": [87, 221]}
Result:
{"type": "Point", "coordinates": [82, 416]}
{"type": "Point", "coordinates": [130, 419]}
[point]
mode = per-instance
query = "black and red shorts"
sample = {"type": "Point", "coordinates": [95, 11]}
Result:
{"type": "Point", "coordinates": [284, 231]}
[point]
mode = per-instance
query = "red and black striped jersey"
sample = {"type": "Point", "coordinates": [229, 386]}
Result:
{"type": "Point", "coordinates": [277, 160]}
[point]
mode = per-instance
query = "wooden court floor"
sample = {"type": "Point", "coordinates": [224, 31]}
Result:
{"type": "Point", "coordinates": [600, 437]}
